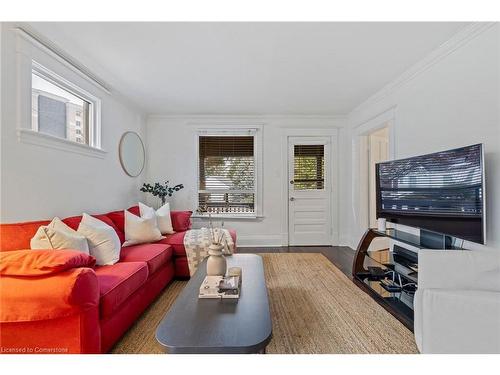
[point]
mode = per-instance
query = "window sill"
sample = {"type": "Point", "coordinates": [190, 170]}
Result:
{"type": "Point", "coordinates": [228, 216]}
{"type": "Point", "coordinates": [33, 137]}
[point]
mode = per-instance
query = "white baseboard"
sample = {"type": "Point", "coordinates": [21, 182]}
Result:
{"type": "Point", "coordinates": [261, 240]}
{"type": "Point", "coordinates": [269, 240]}
{"type": "Point", "coordinates": [345, 240]}
{"type": "Point", "coordinates": [354, 243]}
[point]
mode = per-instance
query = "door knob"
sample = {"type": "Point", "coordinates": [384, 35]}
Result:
{"type": "Point", "coordinates": [292, 181]}
{"type": "Point", "coordinates": [292, 199]}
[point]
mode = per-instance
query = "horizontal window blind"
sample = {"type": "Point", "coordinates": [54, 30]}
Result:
{"type": "Point", "coordinates": [309, 167]}
{"type": "Point", "coordinates": [447, 183]}
{"type": "Point", "coordinates": [227, 174]}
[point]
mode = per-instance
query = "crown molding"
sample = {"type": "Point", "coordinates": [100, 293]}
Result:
{"type": "Point", "coordinates": [262, 117]}
{"type": "Point", "coordinates": [26, 32]}
{"type": "Point", "coordinates": [458, 40]}
{"type": "Point", "coordinates": [57, 53]}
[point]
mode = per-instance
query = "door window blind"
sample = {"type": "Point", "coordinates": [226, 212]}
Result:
{"type": "Point", "coordinates": [226, 174]}
{"type": "Point", "coordinates": [309, 167]}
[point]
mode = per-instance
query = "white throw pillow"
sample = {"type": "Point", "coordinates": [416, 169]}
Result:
{"type": "Point", "coordinates": [103, 241]}
{"type": "Point", "coordinates": [57, 235]}
{"type": "Point", "coordinates": [140, 229]}
{"type": "Point", "coordinates": [162, 217]}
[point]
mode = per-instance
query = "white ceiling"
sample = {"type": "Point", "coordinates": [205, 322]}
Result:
{"type": "Point", "coordinates": [247, 68]}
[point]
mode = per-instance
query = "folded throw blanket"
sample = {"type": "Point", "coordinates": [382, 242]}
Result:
{"type": "Point", "coordinates": [196, 243]}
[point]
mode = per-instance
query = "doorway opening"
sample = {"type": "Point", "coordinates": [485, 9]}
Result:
{"type": "Point", "coordinates": [377, 151]}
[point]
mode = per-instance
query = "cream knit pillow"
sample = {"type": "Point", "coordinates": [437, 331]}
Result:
{"type": "Point", "coordinates": [57, 235]}
{"type": "Point", "coordinates": [162, 217]}
{"type": "Point", "coordinates": [104, 244]}
{"type": "Point", "coordinates": [140, 229]}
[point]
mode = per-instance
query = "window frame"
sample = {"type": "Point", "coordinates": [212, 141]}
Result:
{"type": "Point", "coordinates": [33, 51]}
{"type": "Point", "coordinates": [233, 130]}
{"type": "Point", "coordinates": [94, 115]}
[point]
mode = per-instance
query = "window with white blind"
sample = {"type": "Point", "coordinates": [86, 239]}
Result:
{"type": "Point", "coordinates": [227, 171]}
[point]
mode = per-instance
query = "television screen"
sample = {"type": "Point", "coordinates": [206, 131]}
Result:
{"type": "Point", "coordinates": [441, 192]}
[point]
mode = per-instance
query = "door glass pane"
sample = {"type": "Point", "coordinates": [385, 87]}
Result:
{"type": "Point", "coordinates": [309, 167]}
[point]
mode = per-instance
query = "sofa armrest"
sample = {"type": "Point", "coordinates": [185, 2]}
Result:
{"type": "Point", "coordinates": [47, 297]}
{"type": "Point", "coordinates": [457, 321]}
{"type": "Point", "coordinates": [56, 313]}
{"type": "Point", "coordinates": [459, 269]}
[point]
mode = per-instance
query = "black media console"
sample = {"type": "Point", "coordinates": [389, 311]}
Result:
{"type": "Point", "coordinates": [391, 277]}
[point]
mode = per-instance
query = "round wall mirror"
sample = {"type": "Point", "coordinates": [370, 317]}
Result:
{"type": "Point", "coordinates": [132, 155]}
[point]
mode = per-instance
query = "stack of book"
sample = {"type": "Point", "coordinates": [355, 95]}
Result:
{"type": "Point", "coordinates": [220, 287]}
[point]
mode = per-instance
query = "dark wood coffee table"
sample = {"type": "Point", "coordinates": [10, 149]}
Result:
{"type": "Point", "coordinates": [220, 326]}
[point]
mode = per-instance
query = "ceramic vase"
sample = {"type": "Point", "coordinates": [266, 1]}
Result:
{"type": "Point", "coordinates": [216, 263]}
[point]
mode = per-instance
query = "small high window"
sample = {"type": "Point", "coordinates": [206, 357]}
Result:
{"type": "Point", "coordinates": [61, 109]}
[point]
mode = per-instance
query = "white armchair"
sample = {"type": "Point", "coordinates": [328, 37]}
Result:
{"type": "Point", "coordinates": [457, 304]}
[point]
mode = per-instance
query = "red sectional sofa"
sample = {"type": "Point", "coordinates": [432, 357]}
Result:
{"type": "Point", "coordinates": [85, 309]}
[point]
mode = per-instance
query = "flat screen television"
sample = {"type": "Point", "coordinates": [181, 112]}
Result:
{"type": "Point", "coordinates": [441, 192]}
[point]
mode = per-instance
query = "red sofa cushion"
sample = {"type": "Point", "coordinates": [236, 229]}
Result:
{"type": "Point", "coordinates": [181, 267]}
{"type": "Point", "coordinates": [118, 219]}
{"type": "Point", "coordinates": [42, 262]}
{"type": "Point", "coordinates": [155, 255]}
{"type": "Point", "coordinates": [113, 327]}
{"type": "Point", "coordinates": [74, 221]}
{"type": "Point", "coordinates": [135, 210]}
{"type": "Point", "coordinates": [17, 236]}
{"type": "Point", "coordinates": [118, 282]}
{"type": "Point", "coordinates": [175, 240]}
{"type": "Point", "coordinates": [181, 220]}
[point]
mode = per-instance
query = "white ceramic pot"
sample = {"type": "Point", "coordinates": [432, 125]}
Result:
{"type": "Point", "coordinates": [216, 263]}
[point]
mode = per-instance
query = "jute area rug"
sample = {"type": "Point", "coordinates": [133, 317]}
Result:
{"type": "Point", "coordinates": [315, 308]}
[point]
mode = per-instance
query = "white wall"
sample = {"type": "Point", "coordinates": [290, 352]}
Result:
{"type": "Point", "coordinates": [39, 182]}
{"type": "Point", "coordinates": [172, 156]}
{"type": "Point", "coordinates": [450, 99]}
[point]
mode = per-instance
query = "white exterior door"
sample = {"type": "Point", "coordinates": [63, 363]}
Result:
{"type": "Point", "coordinates": [309, 191]}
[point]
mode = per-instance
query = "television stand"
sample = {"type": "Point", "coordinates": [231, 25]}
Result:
{"type": "Point", "coordinates": [390, 280]}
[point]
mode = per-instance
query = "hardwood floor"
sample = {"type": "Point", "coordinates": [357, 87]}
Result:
{"type": "Point", "coordinates": [341, 256]}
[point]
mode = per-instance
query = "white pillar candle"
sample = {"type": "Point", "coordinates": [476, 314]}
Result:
{"type": "Point", "coordinates": [381, 224]}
